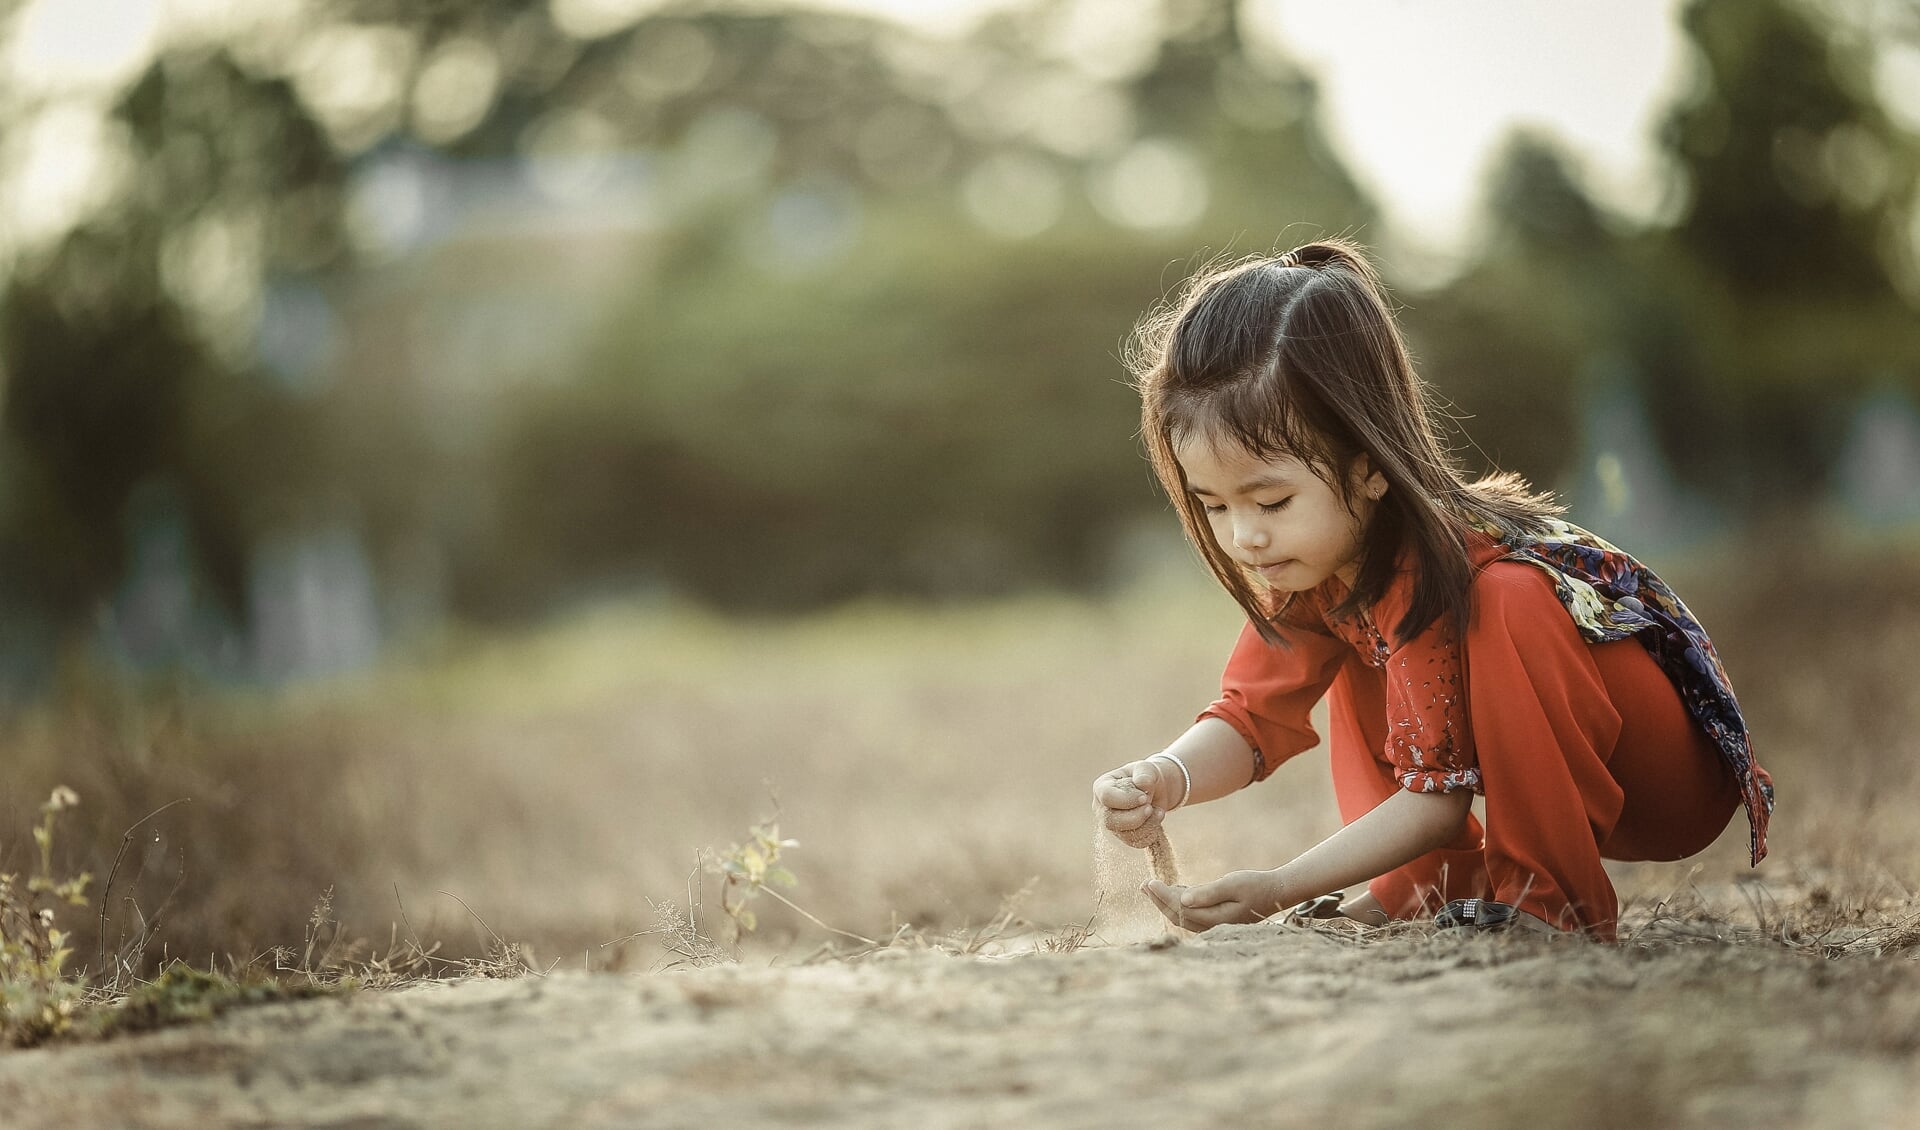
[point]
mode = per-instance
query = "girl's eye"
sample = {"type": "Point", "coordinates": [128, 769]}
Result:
{"type": "Point", "coordinates": [1275, 507]}
{"type": "Point", "coordinates": [1213, 509]}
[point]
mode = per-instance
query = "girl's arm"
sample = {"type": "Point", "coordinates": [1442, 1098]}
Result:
{"type": "Point", "coordinates": [1220, 760]}
{"type": "Point", "coordinates": [1402, 828]}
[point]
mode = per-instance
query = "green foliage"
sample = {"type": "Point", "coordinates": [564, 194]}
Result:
{"type": "Point", "coordinates": [1792, 257]}
{"type": "Point", "coordinates": [184, 995]}
{"type": "Point", "coordinates": [37, 998]}
{"type": "Point", "coordinates": [1793, 170]}
{"type": "Point", "coordinates": [937, 410]}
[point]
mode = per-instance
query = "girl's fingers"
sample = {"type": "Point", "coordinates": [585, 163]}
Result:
{"type": "Point", "coordinates": [1135, 833]}
{"type": "Point", "coordinates": [1245, 887]}
{"type": "Point", "coordinates": [1117, 791]}
{"type": "Point", "coordinates": [1165, 897]}
{"type": "Point", "coordinates": [1202, 895]}
{"type": "Point", "coordinates": [1167, 900]}
{"type": "Point", "coordinates": [1217, 914]}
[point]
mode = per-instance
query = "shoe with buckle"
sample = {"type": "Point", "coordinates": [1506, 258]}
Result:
{"type": "Point", "coordinates": [1477, 914]}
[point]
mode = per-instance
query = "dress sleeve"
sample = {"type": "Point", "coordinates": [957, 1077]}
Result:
{"type": "Point", "coordinates": [1267, 692]}
{"type": "Point", "coordinates": [1429, 742]}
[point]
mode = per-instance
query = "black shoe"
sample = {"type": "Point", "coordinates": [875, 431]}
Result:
{"type": "Point", "coordinates": [1476, 914]}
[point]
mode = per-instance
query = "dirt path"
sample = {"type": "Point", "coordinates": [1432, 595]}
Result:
{"type": "Point", "coordinates": [1299, 1024]}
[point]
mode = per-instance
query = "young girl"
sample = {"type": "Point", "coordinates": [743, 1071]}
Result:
{"type": "Point", "coordinates": [1470, 640]}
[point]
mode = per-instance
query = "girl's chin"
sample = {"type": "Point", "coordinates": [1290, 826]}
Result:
{"type": "Point", "coordinates": [1287, 578]}
{"type": "Point", "coordinates": [1287, 590]}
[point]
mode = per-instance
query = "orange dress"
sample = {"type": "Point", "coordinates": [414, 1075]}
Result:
{"type": "Point", "coordinates": [1584, 749]}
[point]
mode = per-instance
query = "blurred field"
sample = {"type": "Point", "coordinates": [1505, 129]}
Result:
{"type": "Point", "coordinates": [932, 761]}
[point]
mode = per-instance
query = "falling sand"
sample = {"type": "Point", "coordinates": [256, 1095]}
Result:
{"type": "Point", "coordinates": [1126, 914]}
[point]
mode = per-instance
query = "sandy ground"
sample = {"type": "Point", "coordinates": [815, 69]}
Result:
{"type": "Point", "coordinates": [1253, 1025]}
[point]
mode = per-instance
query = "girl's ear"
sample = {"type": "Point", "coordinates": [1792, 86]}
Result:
{"type": "Point", "coordinates": [1368, 479]}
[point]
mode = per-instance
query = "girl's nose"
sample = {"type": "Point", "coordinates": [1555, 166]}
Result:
{"type": "Point", "coordinates": [1249, 536]}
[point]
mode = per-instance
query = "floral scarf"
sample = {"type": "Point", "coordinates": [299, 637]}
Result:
{"type": "Point", "coordinates": [1611, 596]}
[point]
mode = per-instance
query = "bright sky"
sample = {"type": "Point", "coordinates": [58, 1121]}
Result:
{"type": "Point", "coordinates": [1419, 92]}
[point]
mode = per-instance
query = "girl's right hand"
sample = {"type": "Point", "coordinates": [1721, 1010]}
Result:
{"type": "Point", "coordinates": [1133, 799]}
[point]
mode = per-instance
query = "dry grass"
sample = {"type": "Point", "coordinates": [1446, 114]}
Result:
{"type": "Point", "coordinates": [931, 762]}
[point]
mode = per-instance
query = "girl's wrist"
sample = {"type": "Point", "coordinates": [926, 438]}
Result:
{"type": "Point", "coordinates": [1286, 892]}
{"type": "Point", "coordinates": [1174, 771]}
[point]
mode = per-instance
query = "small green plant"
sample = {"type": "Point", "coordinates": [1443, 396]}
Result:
{"type": "Point", "coordinates": [746, 870]}
{"type": "Point", "coordinates": [37, 999]}
{"type": "Point", "coordinates": [753, 868]}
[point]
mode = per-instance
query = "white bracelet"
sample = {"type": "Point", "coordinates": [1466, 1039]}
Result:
{"type": "Point", "coordinates": [1186, 776]}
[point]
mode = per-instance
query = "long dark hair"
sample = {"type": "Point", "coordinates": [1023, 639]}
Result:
{"type": "Point", "coordinates": [1298, 354]}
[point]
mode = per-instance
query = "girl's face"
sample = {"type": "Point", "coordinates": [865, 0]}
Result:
{"type": "Point", "coordinates": [1278, 518]}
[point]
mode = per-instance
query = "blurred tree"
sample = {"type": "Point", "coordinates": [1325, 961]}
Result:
{"type": "Point", "coordinates": [1793, 233]}
{"type": "Point", "coordinates": [1506, 339]}
{"type": "Point", "coordinates": [97, 371]}
{"type": "Point", "coordinates": [781, 306]}
{"type": "Point", "coordinates": [1750, 323]}
{"type": "Point", "coordinates": [127, 344]}
{"type": "Point", "coordinates": [1793, 173]}
{"type": "Point", "coordinates": [933, 406]}
{"type": "Point", "coordinates": [855, 296]}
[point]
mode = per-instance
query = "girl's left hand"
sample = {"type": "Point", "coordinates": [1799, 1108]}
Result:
{"type": "Point", "coordinates": [1238, 896]}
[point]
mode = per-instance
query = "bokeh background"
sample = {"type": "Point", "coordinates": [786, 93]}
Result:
{"type": "Point", "coordinates": [504, 447]}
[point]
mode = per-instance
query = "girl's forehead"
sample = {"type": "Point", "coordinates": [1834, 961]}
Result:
{"type": "Point", "coordinates": [1203, 456]}
{"type": "Point", "coordinates": [1230, 470]}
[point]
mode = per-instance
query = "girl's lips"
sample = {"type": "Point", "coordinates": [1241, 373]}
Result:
{"type": "Point", "coordinates": [1269, 570]}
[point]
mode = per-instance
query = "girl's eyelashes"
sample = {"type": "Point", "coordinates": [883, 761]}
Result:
{"type": "Point", "coordinates": [1268, 507]}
